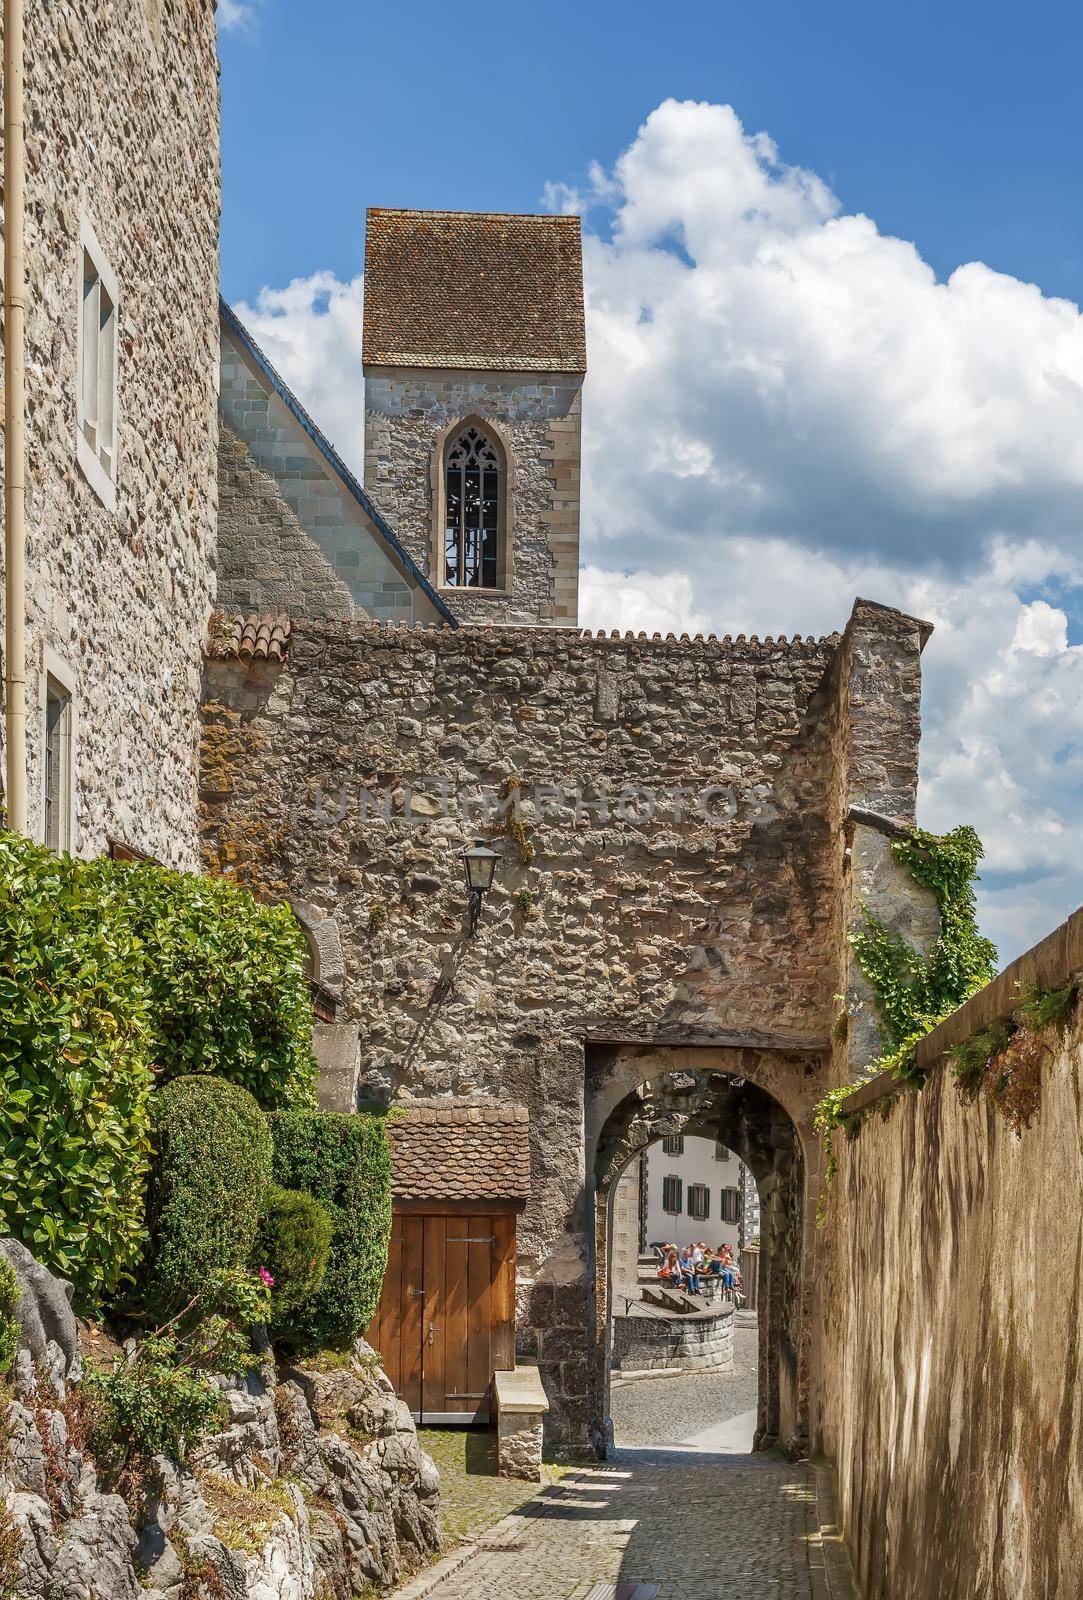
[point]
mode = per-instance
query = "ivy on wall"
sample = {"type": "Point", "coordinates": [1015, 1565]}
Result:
{"type": "Point", "coordinates": [914, 992]}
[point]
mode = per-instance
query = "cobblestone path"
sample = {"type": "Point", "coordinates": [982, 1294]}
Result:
{"type": "Point", "coordinates": [701, 1527]}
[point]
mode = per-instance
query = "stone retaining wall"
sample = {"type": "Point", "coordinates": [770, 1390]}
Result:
{"type": "Point", "coordinates": [694, 1341]}
{"type": "Point", "coordinates": [953, 1341]}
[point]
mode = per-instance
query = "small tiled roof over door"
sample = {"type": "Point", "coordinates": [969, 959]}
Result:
{"type": "Point", "coordinates": [459, 1150]}
{"type": "Point", "coordinates": [479, 290]}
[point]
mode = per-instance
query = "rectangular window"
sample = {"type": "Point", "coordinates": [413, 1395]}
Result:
{"type": "Point", "coordinates": [720, 1151]}
{"type": "Point", "coordinates": [699, 1202]}
{"type": "Point", "coordinates": [671, 1195]}
{"type": "Point", "coordinates": [96, 419]}
{"type": "Point", "coordinates": [731, 1205]}
{"type": "Point", "coordinates": [673, 1147]}
{"type": "Point", "coordinates": [57, 819]}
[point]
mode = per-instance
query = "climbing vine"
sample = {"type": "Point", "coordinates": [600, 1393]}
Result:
{"type": "Point", "coordinates": [914, 992]}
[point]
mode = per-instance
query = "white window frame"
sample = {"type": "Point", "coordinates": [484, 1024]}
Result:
{"type": "Point", "coordinates": [95, 393]}
{"type": "Point", "coordinates": [57, 676]}
{"type": "Point", "coordinates": [672, 1191]}
{"type": "Point", "coordinates": [670, 1140]}
{"type": "Point", "coordinates": [702, 1193]}
{"type": "Point", "coordinates": [736, 1206]}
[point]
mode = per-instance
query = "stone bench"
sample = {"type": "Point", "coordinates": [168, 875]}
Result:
{"type": "Point", "coordinates": [521, 1408]}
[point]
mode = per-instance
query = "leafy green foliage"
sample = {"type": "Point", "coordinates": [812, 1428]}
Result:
{"type": "Point", "coordinates": [344, 1161]}
{"type": "Point", "coordinates": [292, 1244]}
{"type": "Point", "coordinates": [112, 975]}
{"type": "Point", "coordinates": [160, 1402]}
{"type": "Point", "coordinates": [914, 992]}
{"type": "Point", "coordinates": [9, 1322]}
{"type": "Point", "coordinates": [1045, 1008]}
{"type": "Point", "coordinates": [75, 1078]}
{"type": "Point", "coordinates": [207, 1187]}
{"type": "Point", "coordinates": [226, 985]}
{"type": "Point", "coordinates": [971, 1058]}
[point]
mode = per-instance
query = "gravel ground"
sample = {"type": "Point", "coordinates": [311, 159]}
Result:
{"type": "Point", "coordinates": [667, 1410]}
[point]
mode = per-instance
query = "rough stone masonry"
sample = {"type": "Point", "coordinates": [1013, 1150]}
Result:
{"type": "Point", "coordinates": [671, 880]}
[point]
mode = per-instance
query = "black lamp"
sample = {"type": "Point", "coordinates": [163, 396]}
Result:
{"type": "Point", "coordinates": [480, 864]}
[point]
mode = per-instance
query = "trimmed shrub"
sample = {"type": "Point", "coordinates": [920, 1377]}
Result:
{"type": "Point", "coordinates": [112, 975]}
{"type": "Point", "coordinates": [207, 1187]}
{"type": "Point", "coordinates": [292, 1244]}
{"type": "Point", "coordinates": [343, 1159]}
{"type": "Point", "coordinates": [225, 979]}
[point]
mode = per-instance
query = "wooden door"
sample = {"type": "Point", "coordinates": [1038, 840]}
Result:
{"type": "Point", "coordinates": [446, 1318]}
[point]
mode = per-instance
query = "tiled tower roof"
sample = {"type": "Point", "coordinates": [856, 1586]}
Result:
{"type": "Point", "coordinates": [474, 290]}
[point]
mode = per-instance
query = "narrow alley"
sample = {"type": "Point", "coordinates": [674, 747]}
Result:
{"type": "Point", "coordinates": [690, 1515]}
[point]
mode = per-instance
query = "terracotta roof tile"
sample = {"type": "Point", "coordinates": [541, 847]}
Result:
{"type": "Point", "coordinates": [474, 290]}
{"type": "Point", "coordinates": [255, 638]}
{"type": "Point", "coordinates": [459, 1150]}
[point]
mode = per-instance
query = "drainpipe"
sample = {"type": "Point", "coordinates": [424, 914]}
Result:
{"type": "Point", "coordinates": [14, 422]}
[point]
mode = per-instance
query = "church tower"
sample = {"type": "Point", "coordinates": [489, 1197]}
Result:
{"type": "Point", "coordinates": [474, 356]}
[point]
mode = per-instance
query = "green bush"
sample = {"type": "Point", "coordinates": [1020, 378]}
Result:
{"type": "Point", "coordinates": [344, 1161]}
{"type": "Point", "coordinates": [112, 975]}
{"type": "Point", "coordinates": [9, 1322]}
{"type": "Point", "coordinates": [75, 1079]}
{"type": "Point", "coordinates": [292, 1244]}
{"type": "Point", "coordinates": [207, 1186]}
{"type": "Point", "coordinates": [158, 1403]}
{"type": "Point", "coordinates": [226, 984]}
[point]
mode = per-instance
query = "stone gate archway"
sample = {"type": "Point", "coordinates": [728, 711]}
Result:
{"type": "Point", "coordinates": [758, 1104]}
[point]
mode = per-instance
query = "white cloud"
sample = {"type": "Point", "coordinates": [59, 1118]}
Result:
{"type": "Point", "coordinates": [785, 408]}
{"type": "Point", "coordinates": [311, 331]}
{"type": "Point", "coordinates": [236, 15]}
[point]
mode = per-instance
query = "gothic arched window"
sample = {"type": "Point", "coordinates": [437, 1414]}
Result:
{"type": "Point", "coordinates": [474, 486]}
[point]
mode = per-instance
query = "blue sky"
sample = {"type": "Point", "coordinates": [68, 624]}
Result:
{"type": "Point", "coordinates": [954, 124]}
{"type": "Point", "coordinates": [833, 261]}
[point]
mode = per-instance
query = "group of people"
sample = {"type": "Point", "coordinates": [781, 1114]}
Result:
{"type": "Point", "coordinates": [685, 1268]}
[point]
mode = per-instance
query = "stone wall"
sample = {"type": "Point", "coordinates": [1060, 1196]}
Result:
{"type": "Point", "coordinates": [291, 535]}
{"type": "Point", "coordinates": [122, 128]}
{"type": "Point", "coordinates": [695, 1341]}
{"type": "Point", "coordinates": [627, 918]}
{"type": "Point", "coordinates": [539, 418]}
{"type": "Point", "coordinates": [953, 1278]}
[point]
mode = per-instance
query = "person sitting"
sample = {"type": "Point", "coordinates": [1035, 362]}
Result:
{"type": "Point", "coordinates": [670, 1269]}
{"type": "Point", "coordinates": [689, 1270]}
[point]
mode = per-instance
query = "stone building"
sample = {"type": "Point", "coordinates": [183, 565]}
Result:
{"type": "Point", "coordinates": [296, 531]}
{"type": "Point", "coordinates": [684, 829]}
{"type": "Point", "coordinates": [122, 204]}
{"type": "Point", "coordinates": [474, 357]}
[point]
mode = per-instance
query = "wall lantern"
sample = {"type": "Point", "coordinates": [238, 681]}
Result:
{"type": "Point", "coordinates": [480, 863]}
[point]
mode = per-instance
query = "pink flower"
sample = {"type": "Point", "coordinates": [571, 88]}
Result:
{"type": "Point", "coordinates": [265, 1278]}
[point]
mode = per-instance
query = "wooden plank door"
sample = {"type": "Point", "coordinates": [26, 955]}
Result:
{"type": "Point", "coordinates": [446, 1318]}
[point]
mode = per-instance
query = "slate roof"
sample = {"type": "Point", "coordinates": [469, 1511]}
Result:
{"type": "Point", "coordinates": [474, 290]}
{"type": "Point", "coordinates": [460, 1150]}
{"type": "Point", "coordinates": [383, 528]}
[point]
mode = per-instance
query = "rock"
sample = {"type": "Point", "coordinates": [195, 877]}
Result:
{"type": "Point", "coordinates": [49, 1333]}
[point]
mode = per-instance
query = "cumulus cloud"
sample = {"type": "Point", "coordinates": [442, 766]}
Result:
{"type": "Point", "coordinates": [236, 15]}
{"type": "Point", "coordinates": [311, 331]}
{"type": "Point", "coordinates": [786, 408]}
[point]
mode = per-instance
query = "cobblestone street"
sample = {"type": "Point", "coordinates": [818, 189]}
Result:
{"type": "Point", "coordinates": [699, 1523]}
{"type": "Point", "coordinates": [701, 1527]}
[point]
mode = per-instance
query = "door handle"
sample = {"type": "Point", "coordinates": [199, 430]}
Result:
{"type": "Point", "coordinates": [432, 1332]}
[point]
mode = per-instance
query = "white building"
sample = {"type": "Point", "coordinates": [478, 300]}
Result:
{"type": "Point", "coordinates": [696, 1189]}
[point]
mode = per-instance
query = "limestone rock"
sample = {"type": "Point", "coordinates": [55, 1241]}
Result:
{"type": "Point", "coordinates": [49, 1336]}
